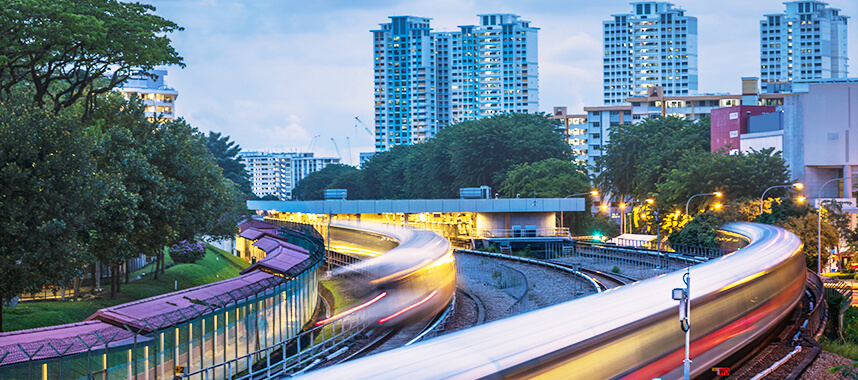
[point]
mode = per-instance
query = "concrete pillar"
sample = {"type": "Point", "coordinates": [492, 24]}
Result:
{"type": "Point", "coordinates": [847, 183]}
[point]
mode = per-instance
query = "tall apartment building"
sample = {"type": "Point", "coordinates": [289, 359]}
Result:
{"type": "Point", "coordinates": [158, 99]}
{"type": "Point", "coordinates": [654, 45]}
{"type": "Point", "coordinates": [426, 80]}
{"type": "Point", "coordinates": [808, 41]}
{"type": "Point", "coordinates": [277, 173]}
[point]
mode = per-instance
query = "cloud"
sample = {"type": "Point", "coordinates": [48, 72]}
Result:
{"type": "Point", "coordinates": [272, 74]}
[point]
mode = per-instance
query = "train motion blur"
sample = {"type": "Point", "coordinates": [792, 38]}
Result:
{"type": "Point", "coordinates": [406, 275]}
{"type": "Point", "coordinates": [631, 332]}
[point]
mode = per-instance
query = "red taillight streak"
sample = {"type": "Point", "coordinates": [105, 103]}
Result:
{"type": "Point", "coordinates": [398, 313]}
{"type": "Point", "coordinates": [352, 310]}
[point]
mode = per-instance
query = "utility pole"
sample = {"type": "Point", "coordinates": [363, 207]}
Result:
{"type": "Point", "coordinates": [683, 296]}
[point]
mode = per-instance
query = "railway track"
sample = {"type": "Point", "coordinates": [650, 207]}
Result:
{"type": "Point", "coordinates": [605, 280]}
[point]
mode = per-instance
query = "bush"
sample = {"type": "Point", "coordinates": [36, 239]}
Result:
{"type": "Point", "coordinates": [187, 252]}
{"type": "Point", "coordinates": [616, 269]}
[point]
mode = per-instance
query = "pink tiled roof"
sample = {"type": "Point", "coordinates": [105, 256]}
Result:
{"type": "Point", "coordinates": [251, 234]}
{"type": "Point", "coordinates": [267, 244]}
{"type": "Point", "coordinates": [163, 308]}
{"type": "Point", "coordinates": [44, 342]}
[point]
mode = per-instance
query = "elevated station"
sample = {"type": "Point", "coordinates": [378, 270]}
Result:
{"type": "Point", "coordinates": [472, 221]}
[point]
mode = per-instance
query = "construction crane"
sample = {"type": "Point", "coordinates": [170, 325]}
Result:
{"type": "Point", "coordinates": [364, 127]}
{"type": "Point", "coordinates": [338, 149]}
{"type": "Point", "coordinates": [349, 144]}
{"type": "Point", "coordinates": [312, 143]}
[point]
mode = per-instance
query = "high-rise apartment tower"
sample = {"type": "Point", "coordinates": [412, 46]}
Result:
{"type": "Point", "coordinates": [426, 80]}
{"type": "Point", "coordinates": [654, 45]}
{"type": "Point", "coordinates": [808, 41]}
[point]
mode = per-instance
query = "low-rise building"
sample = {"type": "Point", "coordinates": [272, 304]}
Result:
{"type": "Point", "coordinates": [158, 99]}
{"type": "Point", "coordinates": [277, 173]}
{"type": "Point", "coordinates": [574, 130]}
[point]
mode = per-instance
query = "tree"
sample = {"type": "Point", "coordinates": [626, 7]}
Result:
{"type": "Point", "coordinates": [466, 154]}
{"type": "Point", "coordinates": [741, 176]}
{"type": "Point", "coordinates": [482, 151]}
{"type": "Point", "coordinates": [384, 174]}
{"type": "Point", "coordinates": [226, 155]}
{"type": "Point", "coordinates": [805, 227]}
{"type": "Point", "coordinates": [196, 195]}
{"type": "Point", "coordinates": [313, 186]}
{"type": "Point", "coordinates": [50, 191]}
{"type": "Point", "coordinates": [638, 156]}
{"type": "Point", "coordinates": [841, 221]}
{"type": "Point", "coordinates": [549, 178]}
{"type": "Point", "coordinates": [702, 230]}
{"type": "Point", "coordinates": [64, 49]}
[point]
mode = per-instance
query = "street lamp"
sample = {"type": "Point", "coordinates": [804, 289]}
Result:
{"type": "Point", "coordinates": [591, 192]}
{"type": "Point", "coordinates": [715, 193]}
{"type": "Point", "coordinates": [819, 224]}
{"type": "Point", "coordinates": [797, 185]}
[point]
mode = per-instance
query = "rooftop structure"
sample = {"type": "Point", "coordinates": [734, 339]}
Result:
{"type": "Point", "coordinates": [158, 99]}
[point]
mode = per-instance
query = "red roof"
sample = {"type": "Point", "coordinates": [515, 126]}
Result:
{"type": "Point", "coordinates": [44, 342]}
{"type": "Point", "coordinates": [176, 307]}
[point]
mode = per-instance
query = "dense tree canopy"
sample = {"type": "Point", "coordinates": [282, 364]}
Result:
{"type": "Point", "coordinates": [64, 49]}
{"type": "Point", "coordinates": [550, 178]}
{"type": "Point", "coordinates": [468, 154]}
{"type": "Point", "coordinates": [639, 156]}
{"type": "Point", "coordinates": [482, 151]}
{"type": "Point", "coordinates": [312, 187]}
{"type": "Point", "coordinates": [744, 175]}
{"type": "Point", "coordinates": [226, 154]}
{"type": "Point", "coordinates": [51, 190]}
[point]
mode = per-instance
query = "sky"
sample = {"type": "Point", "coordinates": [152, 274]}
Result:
{"type": "Point", "coordinates": [291, 75]}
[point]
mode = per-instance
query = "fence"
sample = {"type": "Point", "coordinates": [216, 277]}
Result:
{"type": "Point", "coordinates": [494, 274]}
{"type": "Point", "coordinates": [838, 291]}
{"type": "Point", "coordinates": [817, 307]}
{"type": "Point", "coordinates": [67, 291]}
{"type": "Point", "coordinates": [638, 262]}
{"type": "Point", "coordinates": [220, 328]}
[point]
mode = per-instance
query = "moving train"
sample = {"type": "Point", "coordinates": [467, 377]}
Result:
{"type": "Point", "coordinates": [410, 275]}
{"type": "Point", "coordinates": [632, 332]}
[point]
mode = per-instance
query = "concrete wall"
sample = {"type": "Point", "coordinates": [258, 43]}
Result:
{"type": "Point", "coordinates": [498, 220]}
{"type": "Point", "coordinates": [759, 141]}
{"type": "Point", "coordinates": [821, 135]}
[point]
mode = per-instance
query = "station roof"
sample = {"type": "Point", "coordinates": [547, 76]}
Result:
{"type": "Point", "coordinates": [68, 339]}
{"type": "Point", "coordinates": [422, 205]}
{"type": "Point", "coordinates": [176, 307]}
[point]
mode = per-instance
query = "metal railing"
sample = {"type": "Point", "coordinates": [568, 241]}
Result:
{"type": "Point", "coordinates": [834, 288]}
{"type": "Point", "coordinates": [526, 233]}
{"type": "Point", "coordinates": [497, 275]}
{"type": "Point", "coordinates": [541, 263]}
{"type": "Point", "coordinates": [638, 262]}
{"type": "Point", "coordinates": [294, 354]}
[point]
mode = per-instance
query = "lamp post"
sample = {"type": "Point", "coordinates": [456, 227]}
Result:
{"type": "Point", "coordinates": [819, 223]}
{"type": "Point", "coordinates": [591, 192]}
{"type": "Point", "coordinates": [797, 185]}
{"type": "Point", "coordinates": [715, 193]}
{"type": "Point", "coordinates": [684, 298]}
